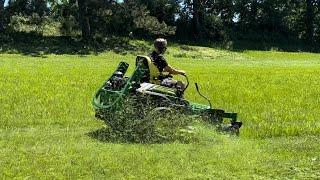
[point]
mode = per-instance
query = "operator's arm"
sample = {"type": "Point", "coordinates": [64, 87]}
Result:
{"type": "Point", "coordinates": [174, 71]}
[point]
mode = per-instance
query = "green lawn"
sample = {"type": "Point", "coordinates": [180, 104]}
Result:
{"type": "Point", "coordinates": [46, 118]}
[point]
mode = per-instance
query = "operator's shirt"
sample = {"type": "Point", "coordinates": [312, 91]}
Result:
{"type": "Point", "coordinates": [158, 60]}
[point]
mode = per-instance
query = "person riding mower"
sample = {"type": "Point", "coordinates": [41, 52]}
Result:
{"type": "Point", "coordinates": [159, 65]}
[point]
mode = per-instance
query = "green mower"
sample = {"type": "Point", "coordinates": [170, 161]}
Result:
{"type": "Point", "coordinates": [143, 87]}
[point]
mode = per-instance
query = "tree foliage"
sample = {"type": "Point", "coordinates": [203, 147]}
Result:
{"type": "Point", "coordinates": [1, 15]}
{"type": "Point", "coordinates": [214, 20]}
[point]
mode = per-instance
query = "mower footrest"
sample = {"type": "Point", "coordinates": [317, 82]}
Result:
{"type": "Point", "coordinates": [232, 116]}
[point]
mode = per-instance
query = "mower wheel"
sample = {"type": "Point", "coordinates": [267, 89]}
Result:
{"type": "Point", "coordinates": [159, 111]}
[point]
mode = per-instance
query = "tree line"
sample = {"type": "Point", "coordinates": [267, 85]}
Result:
{"type": "Point", "coordinates": [214, 20]}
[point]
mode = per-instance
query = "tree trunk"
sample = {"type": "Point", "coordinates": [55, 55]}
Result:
{"type": "Point", "coordinates": [309, 20]}
{"type": "Point", "coordinates": [1, 15]}
{"type": "Point", "coordinates": [40, 6]}
{"type": "Point", "coordinates": [84, 19]}
{"type": "Point", "coordinates": [197, 18]}
{"type": "Point", "coordinates": [254, 12]}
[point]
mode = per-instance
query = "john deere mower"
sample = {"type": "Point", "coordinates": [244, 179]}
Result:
{"type": "Point", "coordinates": [145, 85]}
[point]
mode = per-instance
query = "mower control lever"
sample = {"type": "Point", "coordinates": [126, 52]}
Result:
{"type": "Point", "coordinates": [197, 87]}
{"type": "Point", "coordinates": [187, 82]}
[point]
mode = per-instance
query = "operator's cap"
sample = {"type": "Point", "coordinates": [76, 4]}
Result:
{"type": "Point", "coordinates": [160, 43]}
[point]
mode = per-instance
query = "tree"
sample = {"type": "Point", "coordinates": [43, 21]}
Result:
{"type": "Point", "coordinates": [2, 15]}
{"type": "Point", "coordinates": [39, 7]}
{"type": "Point", "coordinates": [194, 12]}
{"type": "Point", "coordinates": [84, 19]}
{"type": "Point", "coordinates": [163, 10]}
{"type": "Point", "coordinates": [317, 21]}
{"type": "Point", "coordinates": [198, 17]}
{"type": "Point", "coordinates": [205, 19]}
{"type": "Point", "coordinates": [309, 20]}
{"type": "Point", "coordinates": [226, 9]}
{"type": "Point", "coordinates": [27, 8]}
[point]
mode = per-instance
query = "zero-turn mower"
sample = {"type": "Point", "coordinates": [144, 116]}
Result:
{"type": "Point", "coordinates": [142, 86]}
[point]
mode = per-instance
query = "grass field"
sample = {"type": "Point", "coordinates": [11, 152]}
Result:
{"type": "Point", "coordinates": [46, 118]}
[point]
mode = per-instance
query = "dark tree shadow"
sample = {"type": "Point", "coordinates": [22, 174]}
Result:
{"type": "Point", "coordinates": [263, 43]}
{"type": "Point", "coordinates": [285, 46]}
{"type": "Point", "coordinates": [33, 44]}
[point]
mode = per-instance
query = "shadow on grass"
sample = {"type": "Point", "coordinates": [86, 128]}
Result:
{"type": "Point", "coordinates": [106, 135]}
{"type": "Point", "coordinates": [240, 45]}
{"type": "Point", "coordinates": [36, 45]}
{"type": "Point", "coordinates": [143, 135]}
{"type": "Point", "coordinates": [285, 46]}
{"type": "Point", "coordinates": [33, 44]}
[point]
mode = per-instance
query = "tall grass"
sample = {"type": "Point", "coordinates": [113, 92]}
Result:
{"type": "Point", "coordinates": [47, 124]}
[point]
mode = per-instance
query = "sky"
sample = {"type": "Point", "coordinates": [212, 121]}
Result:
{"type": "Point", "coordinates": [6, 3]}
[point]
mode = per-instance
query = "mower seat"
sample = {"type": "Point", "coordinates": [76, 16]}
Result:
{"type": "Point", "coordinates": [153, 76]}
